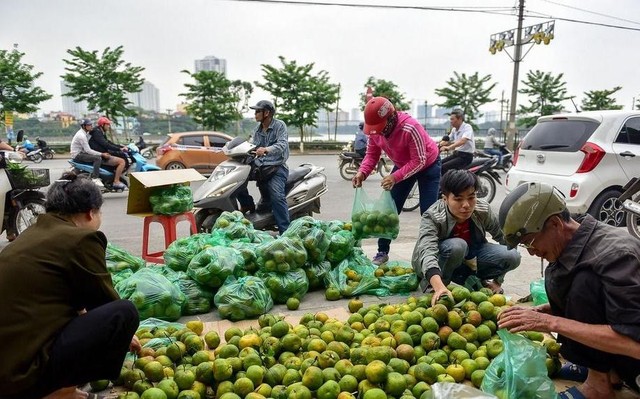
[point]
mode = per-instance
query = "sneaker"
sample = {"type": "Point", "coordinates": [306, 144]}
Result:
{"type": "Point", "coordinates": [380, 258]}
{"type": "Point", "coordinates": [119, 186]}
{"type": "Point", "coordinates": [97, 182]}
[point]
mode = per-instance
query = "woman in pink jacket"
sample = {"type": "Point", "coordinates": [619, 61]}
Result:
{"type": "Point", "coordinates": [414, 154]}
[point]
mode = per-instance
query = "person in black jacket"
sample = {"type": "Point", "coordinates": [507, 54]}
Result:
{"type": "Point", "coordinates": [99, 142]}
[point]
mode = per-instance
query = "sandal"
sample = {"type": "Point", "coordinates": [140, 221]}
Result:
{"type": "Point", "coordinates": [493, 286]}
{"type": "Point", "coordinates": [573, 372]}
{"type": "Point", "coordinates": [571, 393]}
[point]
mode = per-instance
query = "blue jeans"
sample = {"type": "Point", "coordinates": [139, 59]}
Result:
{"type": "Point", "coordinates": [493, 151]}
{"type": "Point", "coordinates": [494, 260]}
{"type": "Point", "coordinates": [428, 185]}
{"type": "Point", "coordinates": [272, 193]}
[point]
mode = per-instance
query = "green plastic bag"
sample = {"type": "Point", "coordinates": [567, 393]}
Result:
{"type": "Point", "coordinates": [152, 294]}
{"type": "Point", "coordinates": [374, 218]}
{"type": "Point", "coordinates": [118, 259]}
{"type": "Point", "coordinates": [171, 200]}
{"type": "Point", "coordinates": [538, 292]}
{"type": "Point", "coordinates": [282, 286]}
{"type": "Point", "coordinates": [314, 238]}
{"type": "Point", "coordinates": [234, 225]}
{"type": "Point", "coordinates": [117, 277]}
{"type": "Point", "coordinates": [199, 298]}
{"type": "Point", "coordinates": [248, 250]}
{"type": "Point", "coordinates": [316, 274]}
{"type": "Point", "coordinates": [180, 252]}
{"type": "Point", "coordinates": [282, 255]}
{"type": "Point", "coordinates": [519, 372]}
{"type": "Point", "coordinates": [213, 265]}
{"type": "Point", "coordinates": [357, 262]}
{"type": "Point", "coordinates": [243, 298]}
{"type": "Point", "coordinates": [341, 245]}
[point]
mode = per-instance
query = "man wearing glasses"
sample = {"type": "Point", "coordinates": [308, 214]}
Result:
{"type": "Point", "coordinates": [593, 285]}
{"type": "Point", "coordinates": [414, 155]}
{"type": "Point", "coordinates": [272, 151]}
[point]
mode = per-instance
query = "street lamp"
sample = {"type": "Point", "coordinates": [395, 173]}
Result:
{"type": "Point", "coordinates": [169, 118]}
{"type": "Point", "coordinates": [426, 116]}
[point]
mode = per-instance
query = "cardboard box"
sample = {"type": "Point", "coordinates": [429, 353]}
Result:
{"type": "Point", "coordinates": [142, 184]}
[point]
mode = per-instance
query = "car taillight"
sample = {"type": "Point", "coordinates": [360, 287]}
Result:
{"type": "Point", "coordinates": [514, 159]}
{"type": "Point", "coordinates": [593, 154]}
{"type": "Point", "coordinates": [163, 149]}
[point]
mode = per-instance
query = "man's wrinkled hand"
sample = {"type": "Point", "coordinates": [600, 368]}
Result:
{"type": "Point", "coordinates": [261, 151]}
{"type": "Point", "coordinates": [440, 293]}
{"type": "Point", "coordinates": [519, 318]}
{"type": "Point", "coordinates": [357, 180]}
{"type": "Point", "coordinates": [388, 182]}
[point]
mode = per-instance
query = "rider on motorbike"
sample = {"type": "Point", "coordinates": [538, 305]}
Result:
{"type": "Point", "coordinates": [98, 142]}
{"type": "Point", "coordinates": [492, 145]}
{"type": "Point", "coordinates": [82, 152]}
{"type": "Point", "coordinates": [360, 143]}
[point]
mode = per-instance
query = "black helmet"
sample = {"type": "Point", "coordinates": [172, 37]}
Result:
{"type": "Point", "coordinates": [264, 104]}
{"type": "Point", "coordinates": [85, 122]}
{"type": "Point", "coordinates": [361, 125]}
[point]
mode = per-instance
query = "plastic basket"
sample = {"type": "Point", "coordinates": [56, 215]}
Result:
{"type": "Point", "coordinates": [29, 178]}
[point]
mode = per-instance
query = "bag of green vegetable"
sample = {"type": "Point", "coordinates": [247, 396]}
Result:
{"type": "Point", "coordinates": [248, 250]}
{"type": "Point", "coordinates": [199, 297]}
{"type": "Point", "coordinates": [311, 233]}
{"type": "Point", "coordinates": [341, 245]}
{"type": "Point", "coordinates": [152, 294]}
{"type": "Point", "coordinates": [374, 218]}
{"type": "Point", "coordinates": [118, 259]}
{"type": "Point", "coordinates": [234, 225]}
{"type": "Point", "coordinates": [171, 200]}
{"type": "Point", "coordinates": [213, 265]}
{"type": "Point", "coordinates": [180, 252]}
{"type": "Point", "coordinates": [117, 277]}
{"type": "Point", "coordinates": [282, 286]}
{"type": "Point", "coordinates": [282, 255]}
{"type": "Point", "coordinates": [316, 274]}
{"type": "Point", "coordinates": [243, 298]}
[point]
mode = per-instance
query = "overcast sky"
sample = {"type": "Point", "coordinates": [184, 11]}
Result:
{"type": "Point", "coordinates": [418, 50]}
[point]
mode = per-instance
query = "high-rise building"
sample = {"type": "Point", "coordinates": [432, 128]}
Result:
{"type": "Point", "coordinates": [356, 114]}
{"type": "Point", "coordinates": [211, 63]}
{"type": "Point", "coordinates": [70, 105]}
{"type": "Point", "coordinates": [148, 98]}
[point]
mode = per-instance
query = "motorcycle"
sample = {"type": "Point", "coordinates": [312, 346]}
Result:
{"type": "Point", "coordinates": [46, 151]}
{"type": "Point", "coordinates": [34, 155]}
{"type": "Point", "coordinates": [349, 163]}
{"type": "Point", "coordinates": [481, 167]}
{"type": "Point", "coordinates": [507, 156]}
{"type": "Point", "coordinates": [21, 202]}
{"type": "Point", "coordinates": [136, 162]}
{"type": "Point", "coordinates": [305, 185]}
{"type": "Point", "coordinates": [630, 200]}
{"type": "Point", "coordinates": [147, 151]}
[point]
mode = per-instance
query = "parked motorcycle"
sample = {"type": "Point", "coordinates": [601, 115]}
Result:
{"type": "Point", "coordinates": [107, 173]}
{"type": "Point", "coordinates": [484, 168]}
{"type": "Point", "coordinates": [349, 163]}
{"type": "Point", "coordinates": [305, 185]}
{"type": "Point", "coordinates": [20, 199]}
{"type": "Point", "coordinates": [147, 151]}
{"type": "Point", "coordinates": [630, 200]}
{"type": "Point", "coordinates": [46, 151]}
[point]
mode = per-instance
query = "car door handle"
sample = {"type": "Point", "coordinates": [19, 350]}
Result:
{"type": "Point", "coordinates": [628, 154]}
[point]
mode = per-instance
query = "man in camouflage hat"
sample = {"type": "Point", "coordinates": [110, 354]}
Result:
{"type": "Point", "coordinates": [593, 285]}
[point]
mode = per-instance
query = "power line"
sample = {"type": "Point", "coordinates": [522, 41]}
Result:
{"type": "Point", "coordinates": [577, 21]}
{"type": "Point", "coordinates": [591, 12]}
{"type": "Point", "coordinates": [508, 11]}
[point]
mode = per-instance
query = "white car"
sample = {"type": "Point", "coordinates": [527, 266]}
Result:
{"type": "Point", "coordinates": [588, 156]}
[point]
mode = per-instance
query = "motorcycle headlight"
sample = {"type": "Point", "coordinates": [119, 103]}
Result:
{"type": "Point", "coordinates": [222, 190]}
{"type": "Point", "coordinates": [220, 172]}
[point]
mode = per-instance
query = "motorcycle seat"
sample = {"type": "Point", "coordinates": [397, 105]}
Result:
{"type": "Point", "coordinates": [352, 155]}
{"type": "Point", "coordinates": [295, 175]}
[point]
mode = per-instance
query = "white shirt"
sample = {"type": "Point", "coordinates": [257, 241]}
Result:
{"type": "Point", "coordinates": [80, 143]}
{"type": "Point", "coordinates": [465, 131]}
{"type": "Point", "coordinates": [491, 142]}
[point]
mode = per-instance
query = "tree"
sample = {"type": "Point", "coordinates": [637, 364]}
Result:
{"type": "Point", "coordinates": [17, 91]}
{"type": "Point", "coordinates": [103, 81]}
{"type": "Point", "coordinates": [298, 92]}
{"type": "Point", "coordinates": [600, 99]}
{"type": "Point", "coordinates": [384, 88]}
{"type": "Point", "coordinates": [215, 101]}
{"type": "Point", "coordinates": [547, 92]}
{"type": "Point", "coordinates": [467, 93]}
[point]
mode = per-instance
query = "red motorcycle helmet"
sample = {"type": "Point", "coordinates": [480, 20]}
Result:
{"type": "Point", "coordinates": [376, 113]}
{"type": "Point", "coordinates": [103, 120]}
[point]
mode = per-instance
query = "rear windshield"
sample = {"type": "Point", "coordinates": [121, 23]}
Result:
{"type": "Point", "coordinates": [560, 135]}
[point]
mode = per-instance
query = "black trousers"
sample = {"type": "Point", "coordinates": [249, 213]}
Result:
{"type": "Point", "coordinates": [96, 159]}
{"type": "Point", "coordinates": [457, 160]}
{"type": "Point", "coordinates": [584, 303]}
{"type": "Point", "coordinates": [91, 347]}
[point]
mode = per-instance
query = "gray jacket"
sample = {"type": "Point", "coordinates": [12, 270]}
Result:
{"type": "Point", "coordinates": [437, 224]}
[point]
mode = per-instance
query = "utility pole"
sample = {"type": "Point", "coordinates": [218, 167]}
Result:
{"type": "Point", "coordinates": [536, 34]}
{"type": "Point", "coordinates": [335, 132]}
{"type": "Point", "coordinates": [169, 118]}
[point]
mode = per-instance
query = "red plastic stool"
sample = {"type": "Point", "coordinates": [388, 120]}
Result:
{"type": "Point", "coordinates": [169, 224]}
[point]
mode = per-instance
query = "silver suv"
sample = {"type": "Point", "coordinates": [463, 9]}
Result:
{"type": "Point", "coordinates": [588, 156]}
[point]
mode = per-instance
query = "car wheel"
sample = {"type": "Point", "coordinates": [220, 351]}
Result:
{"type": "Point", "coordinates": [174, 166]}
{"type": "Point", "coordinates": [608, 209]}
{"type": "Point", "coordinates": [633, 220]}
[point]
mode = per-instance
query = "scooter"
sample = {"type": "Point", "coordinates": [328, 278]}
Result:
{"type": "Point", "coordinates": [305, 185]}
{"type": "Point", "coordinates": [630, 200]}
{"type": "Point", "coordinates": [481, 167]}
{"type": "Point", "coordinates": [47, 152]}
{"type": "Point", "coordinates": [349, 163]}
{"type": "Point", "coordinates": [507, 156]}
{"type": "Point", "coordinates": [107, 173]}
{"type": "Point", "coordinates": [20, 199]}
{"type": "Point", "coordinates": [34, 155]}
